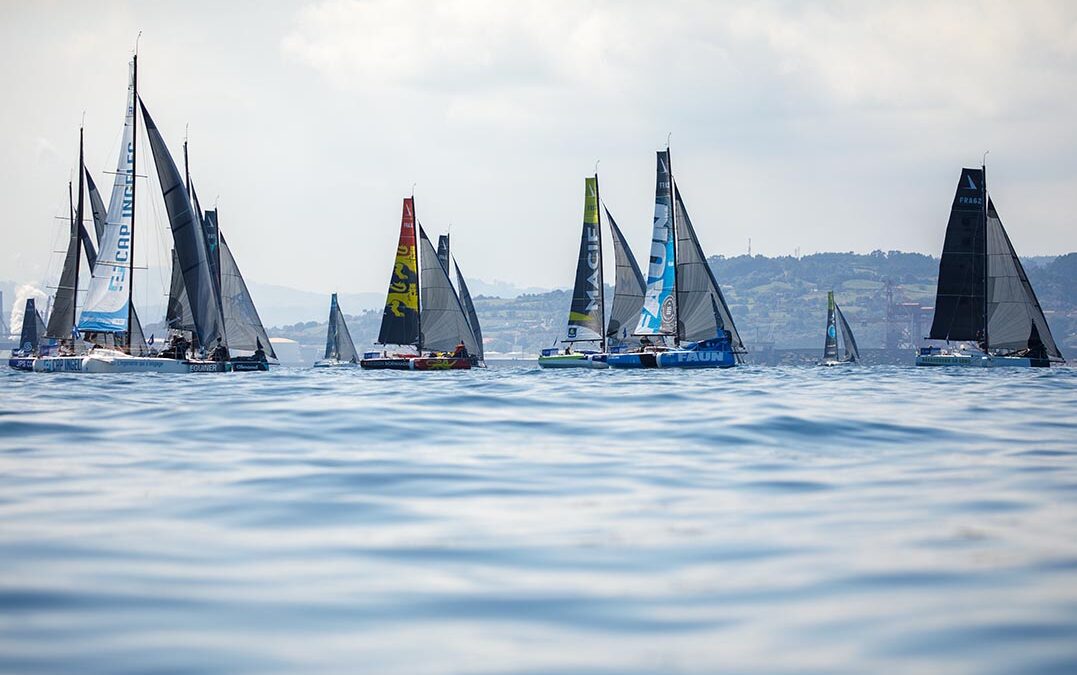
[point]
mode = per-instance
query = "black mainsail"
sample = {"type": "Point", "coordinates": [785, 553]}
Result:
{"type": "Point", "coordinates": [338, 340]}
{"type": "Point", "coordinates": [443, 252]}
{"type": "Point", "coordinates": [64, 314]}
{"type": "Point", "coordinates": [190, 242]}
{"type": "Point", "coordinates": [983, 293]}
{"type": "Point", "coordinates": [628, 290]}
{"type": "Point", "coordinates": [830, 346]}
{"type": "Point", "coordinates": [586, 314]}
{"type": "Point", "coordinates": [33, 328]}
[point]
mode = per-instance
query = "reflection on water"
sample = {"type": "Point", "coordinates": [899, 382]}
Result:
{"type": "Point", "coordinates": [520, 521]}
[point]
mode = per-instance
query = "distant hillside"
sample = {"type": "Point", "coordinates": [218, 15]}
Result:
{"type": "Point", "coordinates": [779, 302]}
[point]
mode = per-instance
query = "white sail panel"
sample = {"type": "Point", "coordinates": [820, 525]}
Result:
{"type": "Point", "coordinates": [442, 321]}
{"type": "Point", "coordinates": [659, 313]}
{"type": "Point", "coordinates": [106, 308]}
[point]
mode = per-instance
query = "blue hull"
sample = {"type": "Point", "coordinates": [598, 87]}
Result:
{"type": "Point", "coordinates": [21, 363]}
{"type": "Point", "coordinates": [674, 358]}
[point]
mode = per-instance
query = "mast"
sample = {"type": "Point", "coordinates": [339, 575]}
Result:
{"type": "Point", "coordinates": [186, 168]}
{"type": "Point", "coordinates": [418, 278]}
{"type": "Point", "coordinates": [673, 233]}
{"type": "Point", "coordinates": [987, 258]}
{"type": "Point", "coordinates": [78, 235]}
{"type": "Point", "coordinates": [134, 182]}
{"type": "Point", "coordinates": [601, 280]}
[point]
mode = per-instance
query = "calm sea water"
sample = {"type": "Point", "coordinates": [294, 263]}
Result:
{"type": "Point", "coordinates": [517, 521]}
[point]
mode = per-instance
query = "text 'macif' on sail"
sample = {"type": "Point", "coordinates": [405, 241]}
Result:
{"type": "Point", "coordinates": [586, 314]}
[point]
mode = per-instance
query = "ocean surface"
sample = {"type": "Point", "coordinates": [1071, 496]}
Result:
{"type": "Point", "coordinates": [780, 520]}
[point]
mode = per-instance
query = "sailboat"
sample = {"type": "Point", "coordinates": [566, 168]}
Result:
{"type": "Point", "coordinates": [684, 307]}
{"type": "Point", "coordinates": [221, 311]}
{"type": "Point", "coordinates": [339, 348]}
{"type": "Point", "coordinates": [984, 296]}
{"type": "Point", "coordinates": [835, 319]}
{"type": "Point", "coordinates": [587, 313]}
{"type": "Point", "coordinates": [33, 329]}
{"type": "Point", "coordinates": [423, 310]}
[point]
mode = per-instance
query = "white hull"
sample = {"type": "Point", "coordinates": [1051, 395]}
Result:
{"type": "Point", "coordinates": [571, 361]}
{"type": "Point", "coordinates": [108, 361]}
{"type": "Point", "coordinates": [964, 360]}
{"type": "Point", "coordinates": [335, 363]}
{"type": "Point", "coordinates": [59, 364]}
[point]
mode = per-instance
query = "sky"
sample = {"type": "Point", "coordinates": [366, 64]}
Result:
{"type": "Point", "coordinates": [810, 126]}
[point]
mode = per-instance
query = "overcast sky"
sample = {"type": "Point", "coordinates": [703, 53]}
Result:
{"type": "Point", "coordinates": [823, 126]}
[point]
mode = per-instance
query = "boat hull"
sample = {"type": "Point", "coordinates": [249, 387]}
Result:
{"type": "Point", "coordinates": [674, 358]}
{"type": "Point", "coordinates": [21, 362]}
{"type": "Point", "coordinates": [979, 361]}
{"type": "Point", "coordinates": [573, 361]}
{"type": "Point", "coordinates": [334, 363]}
{"type": "Point", "coordinates": [59, 364]}
{"type": "Point", "coordinates": [416, 363]}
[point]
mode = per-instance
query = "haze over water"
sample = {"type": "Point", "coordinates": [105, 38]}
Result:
{"type": "Point", "coordinates": [517, 521]}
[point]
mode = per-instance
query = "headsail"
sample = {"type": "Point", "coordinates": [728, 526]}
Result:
{"type": "Point", "coordinates": [400, 319]}
{"type": "Point", "coordinates": [106, 306]}
{"type": "Point", "coordinates": [443, 321]}
{"type": "Point", "coordinates": [1015, 321]}
{"type": "Point", "coordinates": [33, 328]}
{"type": "Point", "coordinates": [178, 315]}
{"type": "Point", "coordinates": [586, 314]}
{"type": "Point", "coordinates": [659, 314]}
{"type": "Point", "coordinates": [629, 288]}
{"type": "Point", "coordinates": [189, 240]}
{"type": "Point", "coordinates": [338, 341]}
{"type": "Point", "coordinates": [62, 318]}
{"type": "Point", "coordinates": [97, 207]}
{"type": "Point", "coordinates": [701, 308]}
{"type": "Point", "coordinates": [959, 301]}
{"type": "Point", "coordinates": [472, 316]}
{"type": "Point", "coordinates": [241, 321]}
{"type": "Point", "coordinates": [852, 352]}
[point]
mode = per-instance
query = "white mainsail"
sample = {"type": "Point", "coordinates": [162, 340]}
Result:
{"type": "Point", "coordinates": [106, 309]}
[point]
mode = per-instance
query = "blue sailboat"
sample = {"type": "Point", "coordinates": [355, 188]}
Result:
{"type": "Point", "coordinates": [685, 321]}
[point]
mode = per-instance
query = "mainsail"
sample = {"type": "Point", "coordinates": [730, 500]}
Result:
{"type": "Point", "coordinates": [400, 320]}
{"type": "Point", "coordinates": [959, 300]}
{"type": "Point", "coordinates": [241, 321]}
{"type": "Point", "coordinates": [586, 315]}
{"type": "Point", "coordinates": [106, 307]}
{"type": "Point", "coordinates": [33, 328]}
{"type": "Point", "coordinates": [338, 341]}
{"type": "Point", "coordinates": [629, 288]}
{"type": "Point", "coordinates": [443, 251]}
{"type": "Point", "coordinates": [187, 233]}
{"type": "Point", "coordinates": [701, 308]}
{"type": "Point", "coordinates": [659, 314]}
{"type": "Point", "coordinates": [469, 307]}
{"type": "Point", "coordinates": [830, 347]}
{"type": "Point", "coordinates": [443, 321]}
{"type": "Point", "coordinates": [852, 352]}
